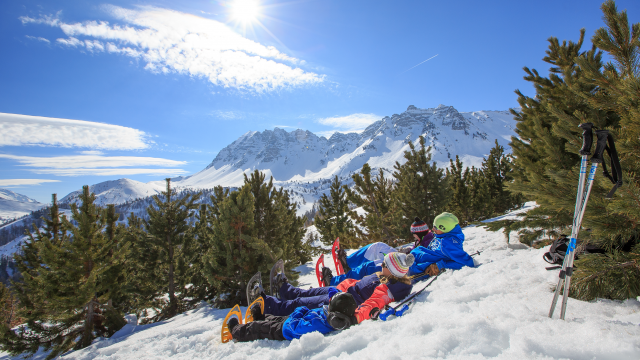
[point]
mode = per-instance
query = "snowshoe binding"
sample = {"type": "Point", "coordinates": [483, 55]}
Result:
{"type": "Point", "coordinates": [236, 315]}
{"type": "Point", "coordinates": [255, 311]}
{"type": "Point", "coordinates": [339, 258]}
{"type": "Point", "coordinates": [326, 276]}
{"type": "Point", "coordinates": [254, 288]}
{"type": "Point", "coordinates": [276, 278]}
{"type": "Point", "coordinates": [320, 265]}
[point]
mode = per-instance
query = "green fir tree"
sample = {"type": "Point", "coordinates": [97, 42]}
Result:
{"type": "Point", "coordinates": [332, 220]}
{"type": "Point", "coordinates": [167, 230]}
{"type": "Point", "coordinates": [421, 189]}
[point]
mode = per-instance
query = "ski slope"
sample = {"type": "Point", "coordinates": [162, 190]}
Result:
{"type": "Point", "coordinates": [496, 310]}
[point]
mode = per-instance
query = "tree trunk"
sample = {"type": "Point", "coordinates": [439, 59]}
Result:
{"type": "Point", "coordinates": [88, 326]}
{"type": "Point", "coordinates": [173, 305]}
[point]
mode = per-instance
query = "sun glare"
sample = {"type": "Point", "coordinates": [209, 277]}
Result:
{"type": "Point", "coordinates": [245, 11]}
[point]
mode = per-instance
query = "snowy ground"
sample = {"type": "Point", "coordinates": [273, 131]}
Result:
{"type": "Point", "coordinates": [497, 310]}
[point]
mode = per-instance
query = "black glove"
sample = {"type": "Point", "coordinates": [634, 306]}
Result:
{"type": "Point", "coordinates": [373, 314]}
{"type": "Point", "coordinates": [339, 321]}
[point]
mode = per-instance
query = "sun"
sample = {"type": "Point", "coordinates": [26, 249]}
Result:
{"type": "Point", "coordinates": [245, 11]}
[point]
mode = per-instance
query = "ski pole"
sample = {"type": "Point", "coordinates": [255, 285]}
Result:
{"type": "Point", "coordinates": [585, 151]}
{"type": "Point", "coordinates": [400, 309]}
{"type": "Point", "coordinates": [595, 160]}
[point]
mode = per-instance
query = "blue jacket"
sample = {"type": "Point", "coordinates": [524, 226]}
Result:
{"type": "Point", "coordinates": [445, 250]}
{"type": "Point", "coordinates": [367, 268]}
{"type": "Point", "coordinates": [303, 321]}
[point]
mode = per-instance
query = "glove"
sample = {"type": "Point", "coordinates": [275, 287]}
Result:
{"type": "Point", "coordinates": [373, 314]}
{"type": "Point", "coordinates": [332, 291]}
{"type": "Point", "coordinates": [432, 270]}
{"type": "Point", "coordinates": [340, 321]}
{"type": "Point", "coordinates": [405, 250]}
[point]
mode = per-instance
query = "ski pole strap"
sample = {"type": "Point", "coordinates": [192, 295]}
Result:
{"type": "Point", "coordinates": [587, 138]}
{"type": "Point", "coordinates": [616, 169]}
{"type": "Point", "coordinates": [605, 142]}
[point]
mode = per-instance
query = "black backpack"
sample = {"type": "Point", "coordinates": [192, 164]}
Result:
{"type": "Point", "coordinates": [556, 253]}
{"type": "Point", "coordinates": [558, 250]}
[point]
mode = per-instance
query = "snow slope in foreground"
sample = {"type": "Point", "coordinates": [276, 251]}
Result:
{"type": "Point", "coordinates": [497, 310]}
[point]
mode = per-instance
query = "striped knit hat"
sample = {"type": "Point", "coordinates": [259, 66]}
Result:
{"type": "Point", "coordinates": [418, 226]}
{"type": "Point", "coordinates": [398, 263]}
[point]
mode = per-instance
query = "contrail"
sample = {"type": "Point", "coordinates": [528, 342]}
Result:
{"type": "Point", "coordinates": [419, 64]}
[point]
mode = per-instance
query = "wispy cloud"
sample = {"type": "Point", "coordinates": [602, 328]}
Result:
{"type": "Point", "coordinates": [22, 182]}
{"type": "Point", "coordinates": [77, 165]}
{"type": "Point", "coordinates": [171, 41]}
{"type": "Point", "coordinates": [349, 123]}
{"type": "Point", "coordinates": [20, 130]}
{"type": "Point", "coordinates": [38, 39]}
{"type": "Point", "coordinates": [227, 115]}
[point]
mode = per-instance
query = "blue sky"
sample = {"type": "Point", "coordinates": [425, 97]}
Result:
{"type": "Point", "coordinates": [157, 88]}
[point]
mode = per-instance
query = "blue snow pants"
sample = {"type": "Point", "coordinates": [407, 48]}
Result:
{"type": "Point", "coordinates": [292, 297]}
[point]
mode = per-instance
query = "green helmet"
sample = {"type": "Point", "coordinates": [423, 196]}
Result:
{"type": "Point", "coordinates": [445, 222]}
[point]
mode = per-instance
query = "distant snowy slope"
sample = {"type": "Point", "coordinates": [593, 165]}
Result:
{"type": "Point", "coordinates": [14, 205]}
{"type": "Point", "coordinates": [117, 191]}
{"type": "Point", "coordinates": [304, 157]}
{"type": "Point", "coordinates": [497, 310]}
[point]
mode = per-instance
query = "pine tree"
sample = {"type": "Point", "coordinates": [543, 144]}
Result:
{"type": "Point", "coordinates": [332, 220]}
{"type": "Point", "coordinates": [69, 305]}
{"type": "Point", "coordinates": [195, 284]}
{"type": "Point", "coordinates": [142, 269]}
{"type": "Point", "coordinates": [461, 199]}
{"type": "Point", "coordinates": [167, 230]}
{"type": "Point", "coordinates": [497, 169]}
{"type": "Point", "coordinates": [234, 254]}
{"type": "Point", "coordinates": [421, 189]}
{"type": "Point", "coordinates": [616, 225]}
{"type": "Point", "coordinates": [374, 196]}
{"type": "Point", "coordinates": [582, 89]}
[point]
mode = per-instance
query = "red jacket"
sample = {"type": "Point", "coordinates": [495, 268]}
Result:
{"type": "Point", "coordinates": [369, 294]}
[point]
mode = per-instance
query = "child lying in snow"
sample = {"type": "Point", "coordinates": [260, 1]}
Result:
{"type": "Point", "coordinates": [432, 253]}
{"type": "Point", "coordinates": [371, 293]}
{"type": "Point", "coordinates": [339, 315]}
{"type": "Point", "coordinates": [444, 251]}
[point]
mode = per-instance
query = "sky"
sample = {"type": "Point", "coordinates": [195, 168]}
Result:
{"type": "Point", "coordinates": [96, 91]}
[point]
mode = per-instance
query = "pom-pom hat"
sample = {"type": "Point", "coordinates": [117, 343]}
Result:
{"type": "Point", "coordinates": [445, 222]}
{"type": "Point", "coordinates": [418, 226]}
{"type": "Point", "coordinates": [398, 263]}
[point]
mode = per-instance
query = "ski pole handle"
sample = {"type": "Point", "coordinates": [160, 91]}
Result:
{"type": "Point", "coordinates": [600, 145]}
{"type": "Point", "coordinates": [587, 138]}
{"type": "Point", "coordinates": [383, 316]}
{"type": "Point", "coordinates": [402, 310]}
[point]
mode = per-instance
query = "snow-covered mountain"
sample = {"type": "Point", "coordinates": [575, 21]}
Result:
{"type": "Point", "coordinates": [117, 191]}
{"type": "Point", "coordinates": [304, 163]}
{"type": "Point", "coordinates": [301, 156]}
{"type": "Point", "coordinates": [14, 205]}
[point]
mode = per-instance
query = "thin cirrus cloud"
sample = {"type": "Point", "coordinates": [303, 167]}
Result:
{"type": "Point", "coordinates": [25, 130]}
{"type": "Point", "coordinates": [22, 182]}
{"type": "Point", "coordinates": [38, 39]}
{"type": "Point", "coordinates": [346, 124]}
{"type": "Point", "coordinates": [96, 165]}
{"type": "Point", "coordinates": [174, 42]}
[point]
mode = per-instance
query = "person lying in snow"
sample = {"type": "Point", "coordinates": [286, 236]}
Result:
{"type": "Point", "coordinates": [371, 293]}
{"type": "Point", "coordinates": [365, 261]}
{"type": "Point", "coordinates": [339, 315]}
{"type": "Point", "coordinates": [368, 259]}
{"type": "Point", "coordinates": [444, 251]}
